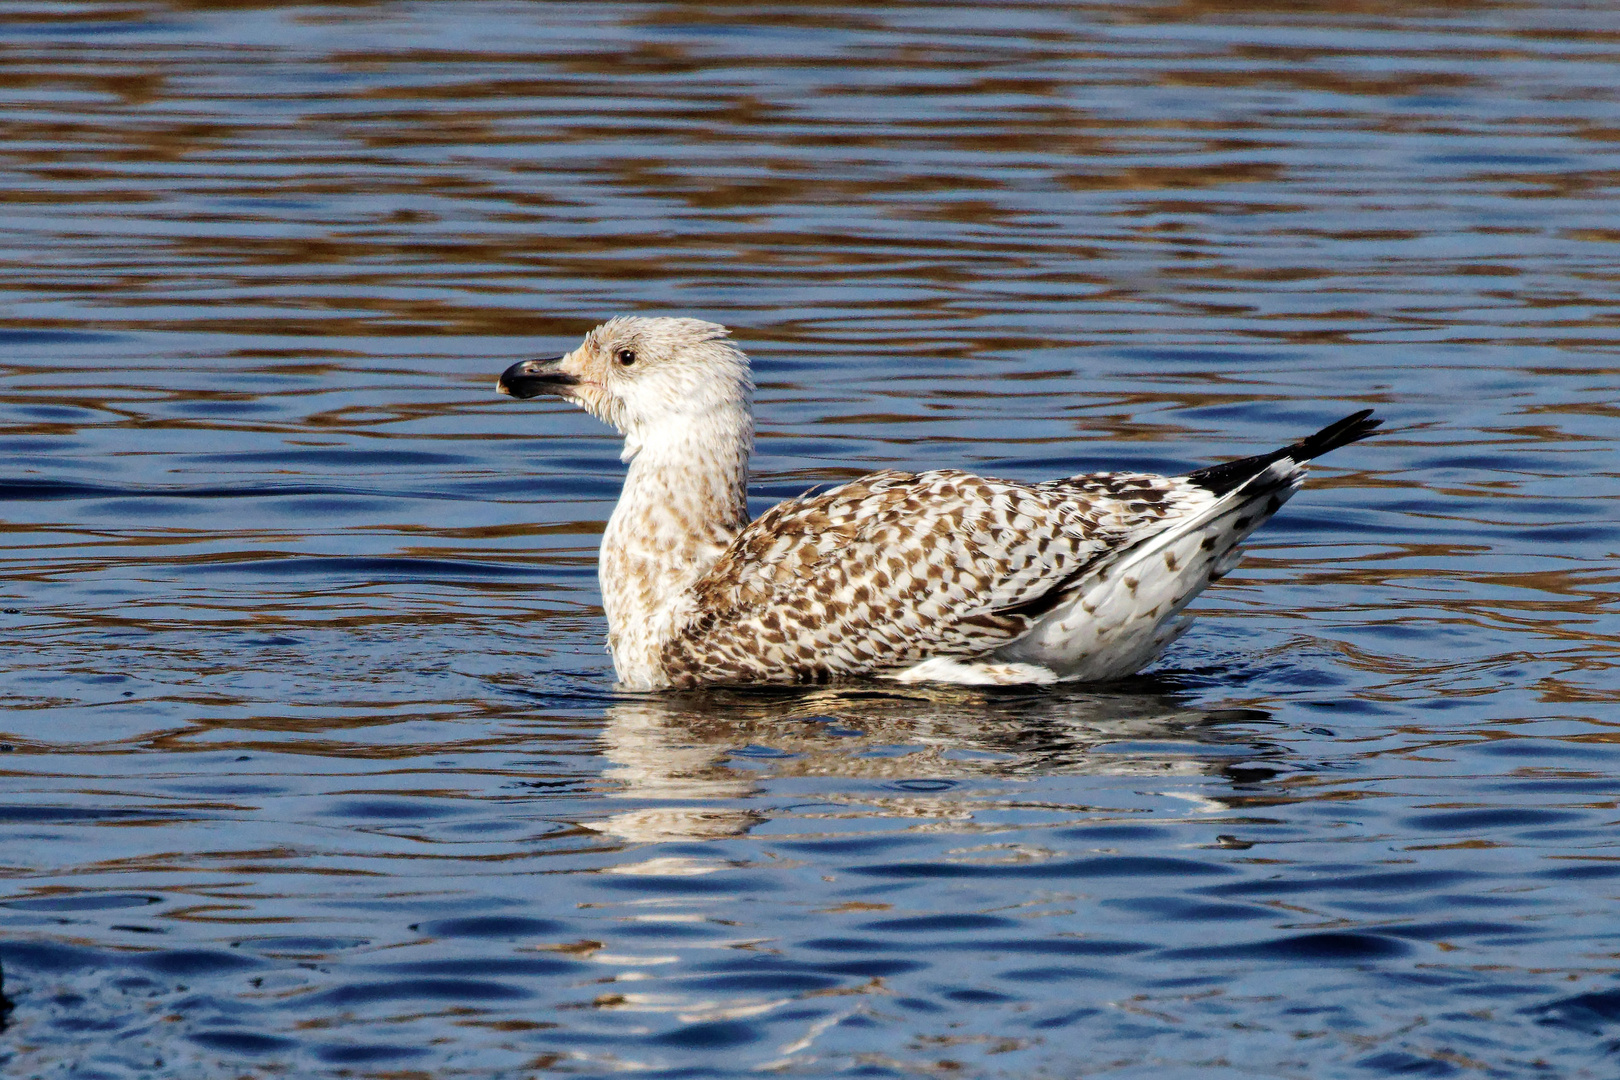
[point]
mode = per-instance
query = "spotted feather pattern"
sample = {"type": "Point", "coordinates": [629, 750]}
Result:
{"type": "Point", "coordinates": [897, 567]}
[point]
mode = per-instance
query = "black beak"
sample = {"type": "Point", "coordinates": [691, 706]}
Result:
{"type": "Point", "coordinates": [531, 378]}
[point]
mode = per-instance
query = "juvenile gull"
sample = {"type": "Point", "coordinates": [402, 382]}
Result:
{"type": "Point", "coordinates": [940, 575]}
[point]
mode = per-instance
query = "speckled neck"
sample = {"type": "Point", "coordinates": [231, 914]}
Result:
{"type": "Point", "coordinates": [684, 501]}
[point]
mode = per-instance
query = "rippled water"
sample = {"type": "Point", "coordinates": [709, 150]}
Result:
{"type": "Point", "coordinates": [312, 764]}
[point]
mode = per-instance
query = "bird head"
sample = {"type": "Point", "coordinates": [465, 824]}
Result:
{"type": "Point", "coordinates": [644, 376]}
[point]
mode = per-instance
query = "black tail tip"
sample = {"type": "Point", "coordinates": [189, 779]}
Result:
{"type": "Point", "coordinates": [1232, 475]}
{"type": "Point", "coordinates": [1353, 428]}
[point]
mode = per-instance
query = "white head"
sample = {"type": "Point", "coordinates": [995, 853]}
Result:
{"type": "Point", "coordinates": [649, 378]}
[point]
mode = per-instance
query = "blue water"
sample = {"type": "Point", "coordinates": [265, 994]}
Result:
{"type": "Point", "coordinates": [312, 764]}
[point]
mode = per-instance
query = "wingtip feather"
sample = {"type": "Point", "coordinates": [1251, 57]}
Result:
{"type": "Point", "coordinates": [1352, 428]}
{"type": "Point", "coordinates": [1232, 475]}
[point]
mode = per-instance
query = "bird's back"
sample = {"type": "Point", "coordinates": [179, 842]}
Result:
{"type": "Point", "coordinates": [949, 576]}
{"type": "Point", "coordinates": [896, 568]}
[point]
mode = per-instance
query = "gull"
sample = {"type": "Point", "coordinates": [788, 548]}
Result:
{"type": "Point", "coordinates": [937, 576]}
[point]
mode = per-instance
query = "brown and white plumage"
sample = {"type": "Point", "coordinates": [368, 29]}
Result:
{"type": "Point", "coordinates": [941, 575]}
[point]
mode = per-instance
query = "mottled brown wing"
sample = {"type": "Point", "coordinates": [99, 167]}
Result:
{"type": "Point", "coordinates": [897, 567]}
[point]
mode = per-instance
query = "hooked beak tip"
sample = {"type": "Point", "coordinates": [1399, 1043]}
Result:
{"type": "Point", "coordinates": [531, 378]}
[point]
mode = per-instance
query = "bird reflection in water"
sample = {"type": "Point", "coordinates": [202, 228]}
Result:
{"type": "Point", "coordinates": [690, 754]}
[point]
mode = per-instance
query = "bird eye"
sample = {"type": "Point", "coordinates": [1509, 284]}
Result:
{"type": "Point", "coordinates": [625, 356]}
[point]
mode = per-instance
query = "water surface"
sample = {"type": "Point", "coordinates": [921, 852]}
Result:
{"type": "Point", "coordinates": [312, 763]}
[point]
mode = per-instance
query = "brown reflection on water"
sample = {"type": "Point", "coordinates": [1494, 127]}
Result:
{"type": "Point", "coordinates": [282, 565]}
{"type": "Point", "coordinates": [1199, 10]}
{"type": "Point", "coordinates": [609, 158]}
{"type": "Point", "coordinates": [696, 748]}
